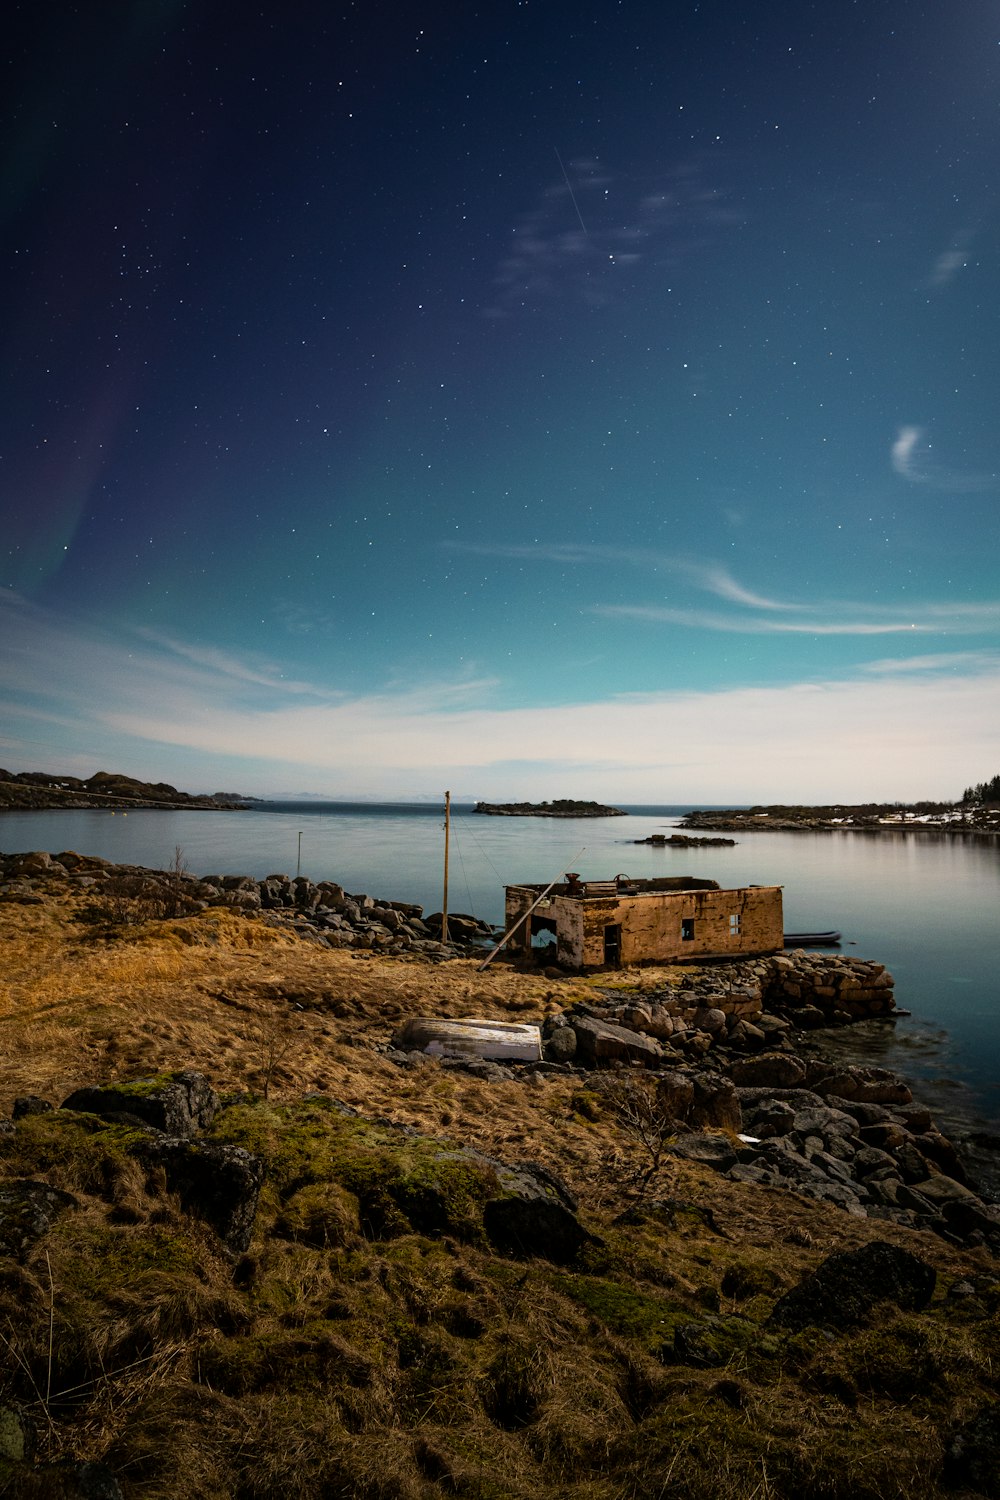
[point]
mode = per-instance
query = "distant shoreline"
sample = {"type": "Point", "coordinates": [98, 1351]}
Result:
{"type": "Point", "coordinates": [38, 791]}
{"type": "Point", "coordinates": [947, 822]}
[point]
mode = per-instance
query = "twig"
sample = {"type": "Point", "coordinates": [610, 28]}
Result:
{"type": "Point", "coordinates": [52, 1319]}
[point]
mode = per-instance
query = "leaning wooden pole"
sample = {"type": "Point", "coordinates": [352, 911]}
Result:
{"type": "Point", "coordinates": [521, 919]}
{"type": "Point", "coordinates": [444, 898]}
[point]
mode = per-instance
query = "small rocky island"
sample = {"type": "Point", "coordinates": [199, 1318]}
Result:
{"type": "Point", "coordinates": [28, 791]}
{"type": "Point", "coordinates": [564, 807]}
{"type": "Point", "coordinates": [682, 841]}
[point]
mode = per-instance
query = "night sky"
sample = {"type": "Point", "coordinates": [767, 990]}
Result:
{"type": "Point", "coordinates": [535, 399]}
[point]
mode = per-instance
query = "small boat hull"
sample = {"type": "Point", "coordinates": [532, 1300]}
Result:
{"type": "Point", "coordinates": [496, 1041]}
{"type": "Point", "coordinates": [812, 939]}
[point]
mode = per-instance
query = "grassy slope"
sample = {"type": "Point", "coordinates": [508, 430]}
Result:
{"type": "Point", "coordinates": [329, 1362]}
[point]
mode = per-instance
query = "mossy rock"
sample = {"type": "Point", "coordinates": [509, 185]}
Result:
{"type": "Point", "coordinates": [179, 1104]}
{"type": "Point", "coordinates": [80, 1153]}
{"type": "Point", "coordinates": [403, 1182]}
{"type": "Point", "coordinates": [712, 1343]}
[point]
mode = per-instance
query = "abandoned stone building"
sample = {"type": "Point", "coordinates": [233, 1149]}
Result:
{"type": "Point", "coordinates": [611, 923]}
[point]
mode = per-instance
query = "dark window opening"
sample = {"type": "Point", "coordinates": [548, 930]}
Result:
{"type": "Point", "coordinates": [687, 929]}
{"type": "Point", "coordinates": [612, 945]}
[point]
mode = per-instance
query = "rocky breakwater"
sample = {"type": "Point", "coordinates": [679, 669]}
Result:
{"type": "Point", "coordinates": [740, 1006]}
{"type": "Point", "coordinates": [323, 912]}
{"type": "Point", "coordinates": [721, 1051]}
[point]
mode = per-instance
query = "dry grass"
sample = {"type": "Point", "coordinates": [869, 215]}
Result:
{"type": "Point", "coordinates": [328, 1364]}
{"type": "Point", "coordinates": [247, 1003]}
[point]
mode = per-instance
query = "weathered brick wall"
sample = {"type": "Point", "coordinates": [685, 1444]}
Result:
{"type": "Point", "coordinates": [652, 924]}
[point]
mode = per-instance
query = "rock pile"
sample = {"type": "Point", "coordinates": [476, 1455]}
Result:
{"type": "Point", "coordinates": [736, 1006]}
{"type": "Point", "coordinates": [721, 1053]}
{"type": "Point", "coordinates": [846, 1135]}
{"type": "Point", "coordinates": [324, 913]}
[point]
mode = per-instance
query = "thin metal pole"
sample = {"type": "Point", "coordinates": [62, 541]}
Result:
{"type": "Point", "coordinates": [444, 898]}
{"type": "Point", "coordinates": [298, 862]}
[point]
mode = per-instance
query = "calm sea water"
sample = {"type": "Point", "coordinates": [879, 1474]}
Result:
{"type": "Point", "coordinates": [927, 907]}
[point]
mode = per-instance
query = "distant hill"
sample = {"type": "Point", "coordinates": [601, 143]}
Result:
{"type": "Point", "coordinates": [30, 790]}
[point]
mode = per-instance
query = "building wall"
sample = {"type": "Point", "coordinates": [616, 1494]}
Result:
{"type": "Point", "coordinates": [652, 924]}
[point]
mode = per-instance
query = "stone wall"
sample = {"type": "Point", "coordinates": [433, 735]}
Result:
{"type": "Point", "coordinates": [747, 1004]}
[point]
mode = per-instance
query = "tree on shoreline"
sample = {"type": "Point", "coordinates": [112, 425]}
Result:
{"type": "Point", "coordinates": [986, 791]}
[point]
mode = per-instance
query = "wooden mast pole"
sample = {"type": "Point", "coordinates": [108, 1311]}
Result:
{"type": "Point", "coordinates": [444, 899]}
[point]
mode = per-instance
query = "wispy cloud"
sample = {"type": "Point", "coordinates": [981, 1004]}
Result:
{"type": "Point", "coordinates": [907, 730]}
{"type": "Point", "coordinates": [714, 578]}
{"type": "Point", "coordinates": [905, 453]}
{"type": "Point", "coordinates": [224, 664]}
{"type": "Point", "coordinates": [938, 661]}
{"type": "Point", "coordinates": [756, 613]}
{"type": "Point", "coordinates": [588, 226]}
{"type": "Point", "coordinates": [913, 459]}
{"type": "Point", "coordinates": [742, 625]}
{"type": "Point", "coordinates": [950, 261]}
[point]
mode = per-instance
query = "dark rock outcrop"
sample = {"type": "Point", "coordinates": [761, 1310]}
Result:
{"type": "Point", "coordinates": [178, 1104]}
{"type": "Point", "coordinates": [27, 1211]}
{"type": "Point", "coordinates": [603, 1041]}
{"type": "Point", "coordinates": [843, 1290]}
{"type": "Point", "coordinates": [219, 1184]}
{"type": "Point", "coordinates": [535, 1215]}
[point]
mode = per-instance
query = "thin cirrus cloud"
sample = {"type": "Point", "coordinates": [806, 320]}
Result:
{"type": "Point", "coordinates": [713, 578]}
{"type": "Point", "coordinates": [587, 226]}
{"type": "Point", "coordinates": [137, 701]}
{"type": "Point", "coordinates": [948, 264]}
{"type": "Point", "coordinates": [757, 614]}
{"type": "Point", "coordinates": [913, 460]}
{"type": "Point", "coordinates": [931, 619]}
{"type": "Point", "coordinates": [937, 661]}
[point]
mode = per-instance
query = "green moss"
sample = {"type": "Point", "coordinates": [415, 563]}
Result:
{"type": "Point", "coordinates": [75, 1151]}
{"type": "Point", "coordinates": [108, 1258]}
{"type": "Point", "coordinates": [401, 1182]}
{"type": "Point", "coordinates": [623, 1309]}
{"type": "Point", "coordinates": [141, 1088]}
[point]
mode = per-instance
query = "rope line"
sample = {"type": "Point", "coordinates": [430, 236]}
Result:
{"type": "Point", "coordinates": [465, 873]}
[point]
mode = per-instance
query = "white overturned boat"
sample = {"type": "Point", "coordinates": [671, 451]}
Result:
{"type": "Point", "coordinates": [499, 1041]}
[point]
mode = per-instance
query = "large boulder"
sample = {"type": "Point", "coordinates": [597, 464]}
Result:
{"type": "Point", "coordinates": [603, 1042]}
{"type": "Point", "coordinates": [534, 1215]}
{"type": "Point", "coordinates": [716, 1103]}
{"type": "Point", "coordinates": [179, 1104]}
{"type": "Point", "coordinates": [217, 1183]}
{"type": "Point", "coordinates": [770, 1070]}
{"type": "Point", "coordinates": [675, 1094]}
{"type": "Point", "coordinates": [844, 1288]}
